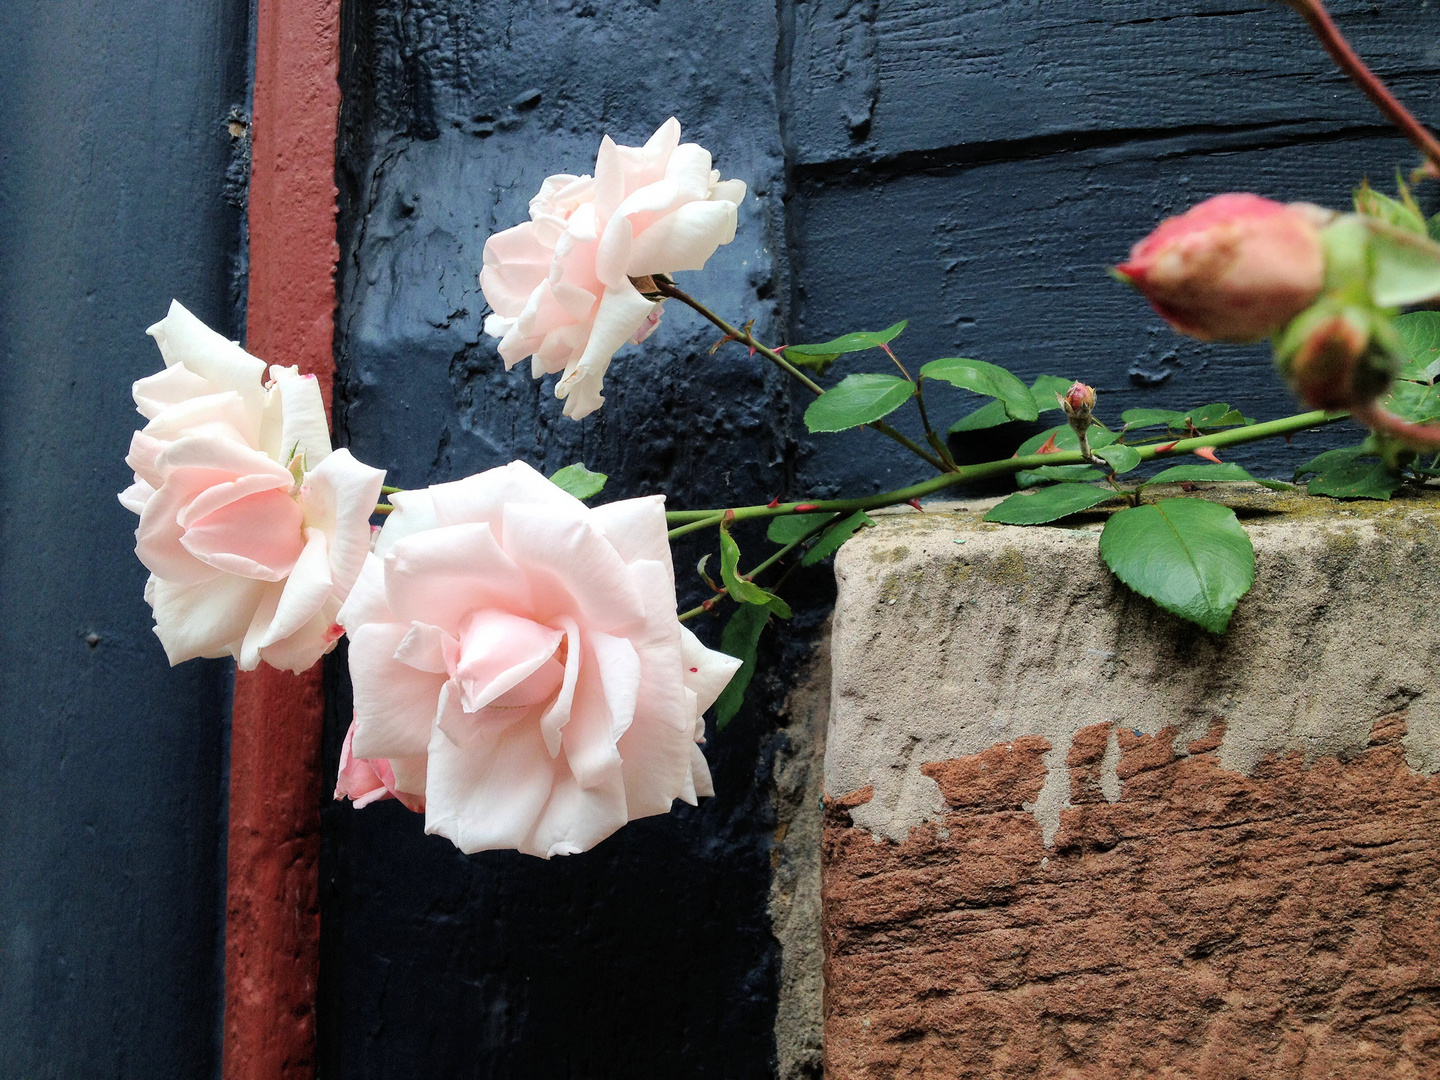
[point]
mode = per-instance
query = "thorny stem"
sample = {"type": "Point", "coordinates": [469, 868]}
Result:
{"type": "Point", "coordinates": [686, 521]}
{"type": "Point", "coordinates": [1324, 28]}
{"type": "Point", "coordinates": [700, 609]}
{"type": "Point", "coordinates": [744, 337]}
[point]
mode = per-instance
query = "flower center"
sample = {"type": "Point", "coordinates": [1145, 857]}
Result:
{"type": "Point", "coordinates": [507, 661]}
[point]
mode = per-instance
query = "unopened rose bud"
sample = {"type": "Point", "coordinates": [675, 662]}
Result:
{"type": "Point", "coordinates": [1338, 357]}
{"type": "Point", "coordinates": [1234, 268]}
{"type": "Point", "coordinates": [1078, 403]}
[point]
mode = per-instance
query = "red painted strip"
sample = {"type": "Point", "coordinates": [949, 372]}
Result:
{"type": "Point", "coordinates": [272, 926]}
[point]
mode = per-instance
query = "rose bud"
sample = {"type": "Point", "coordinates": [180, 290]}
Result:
{"type": "Point", "coordinates": [1234, 268]}
{"type": "Point", "coordinates": [1078, 403]}
{"type": "Point", "coordinates": [1338, 357]}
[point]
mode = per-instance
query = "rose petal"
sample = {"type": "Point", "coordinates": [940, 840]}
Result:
{"type": "Point", "coordinates": [573, 570]}
{"type": "Point", "coordinates": [206, 618]}
{"type": "Point", "coordinates": [442, 575]}
{"type": "Point", "coordinates": [339, 498]}
{"type": "Point", "coordinates": [395, 705]}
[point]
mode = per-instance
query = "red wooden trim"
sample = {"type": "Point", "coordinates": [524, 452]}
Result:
{"type": "Point", "coordinates": [272, 925]}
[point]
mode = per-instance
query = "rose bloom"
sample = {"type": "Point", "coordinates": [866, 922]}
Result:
{"type": "Point", "coordinates": [252, 529]}
{"type": "Point", "coordinates": [560, 284]}
{"type": "Point", "coordinates": [1234, 268]}
{"type": "Point", "coordinates": [519, 667]}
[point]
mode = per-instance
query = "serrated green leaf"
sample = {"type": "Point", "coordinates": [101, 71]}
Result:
{"type": "Point", "coordinates": [1413, 401]}
{"type": "Point", "coordinates": [991, 414]}
{"type": "Point", "coordinates": [1057, 474]}
{"type": "Point", "coordinates": [1044, 389]}
{"type": "Point", "coordinates": [1405, 268]}
{"type": "Point", "coordinates": [1066, 439]}
{"type": "Point", "coordinates": [1189, 556]}
{"type": "Point", "coordinates": [826, 351]}
{"type": "Point", "coordinates": [1212, 417]}
{"type": "Point", "coordinates": [1372, 203]}
{"type": "Point", "coordinates": [1356, 480]}
{"type": "Point", "coordinates": [1143, 418]}
{"type": "Point", "coordinates": [1432, 228]}
{"type": "Point", "coordinates": [579, 481]}
{"type": "Point", "coordinates": [832, 538]}
{"type": "Point", "coordinates": [857, 400]}
{"type": "Point", "coordinates": [988, 379]}
{"type": "Point", "coordinates": [1119, 457]}
{"type": "Point", "coordinates": [790, 527]}
{"type": "Point", "coordinates": [1047, 504]}
{"type": "Point", "coordinates": [1420, 331]}
{"type": "Point", "coordinates": [742, 591]}
{"type": "Point", "coordinates": [1330, 459]}
{"type": "Point", "coordinates": [1200, 473]}
{"type": "Point", "coordinates": [739, 639]}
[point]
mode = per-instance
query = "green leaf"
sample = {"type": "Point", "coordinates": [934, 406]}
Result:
{"type": "Point", "coordinates": [991, 414]}
{"type": "Point", "coordinates": [1211, 417]}
{"type": "Point", "coordinates": [832, 538]}
{"type": "Point", "coordinates": [1330, 459]}
{"type": "Point", "coordinates": [1356, 480]}
{"type": "Point", "coordinates": [1066, 439]}
{"type": "Point", "coordinates": [1189, 556]}
{"type": "Point", "coordinates": [1432, 228]}
{"type": "Point", "coordinates": [817, 356]}
{"type": "Point", "coordinates": [1372, 203]}
{"type": "Point", "coordinates": [1120, 457]}
{"type": "Point", "coordinates": [745, 592]}
{"type": "Point", "coordinates": [739, 639]}
{"type": "Point", "coordinates": [791, 527]}
{"type": "Point", "coordinates": [1061, 474]}
{"type": "Point", "coordinates": [1420, 331]}
{"type": "Point", "coordinates": [1047, 504]}
{"type": "Point", "coordinates": [1415, 402]}
{"type": "Point", "coordinates": [777, 606]}
{"type": "Point", "coordinates": [1199, 473]}
{"type": "Point", "coordinates": [987, 379]}
{"type": "Point", "coordinates": [1044, 389]}
{"type": "Point", "coordinates": [579, 481]}
{"type": "Point", "coordinates": [1405, 268]}
{"type": "Point", "coordinates": [857, 400]}
{"type": "Point", "coordinates": [1143, 418]}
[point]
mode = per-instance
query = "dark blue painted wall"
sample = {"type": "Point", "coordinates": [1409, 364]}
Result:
{"type": "Point", "coordinates": [973, 166]}
{"type": "Point", "coordinates": [113, 199]}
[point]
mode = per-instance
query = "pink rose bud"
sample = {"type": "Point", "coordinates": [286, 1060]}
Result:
{"type": "Point", "coordinates": [1234, 268]}
{"type": "Point", "coordinates": [1078, 399]}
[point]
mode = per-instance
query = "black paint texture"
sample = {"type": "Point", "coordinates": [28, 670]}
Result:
{"type": "Point", "coordinates": [113, 198]}
{"type": "Point", "coordinates": [972, 166]}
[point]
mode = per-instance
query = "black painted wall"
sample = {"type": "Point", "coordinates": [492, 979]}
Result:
{"type": "Point", "coordinates": [973, 165]}
{"type": "Point", "coordinates": [113, 198]}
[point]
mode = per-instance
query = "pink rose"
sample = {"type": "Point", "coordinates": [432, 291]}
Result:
{"type": "Point", "coordinates": [560, 284]}
{"type": "Point", "coordinates": [252, 528]}
{"type": "Point", "coordinates": [517, 660]}
{"type": "Point", "coordinates": [364, 781]}
{"type": "Point", "coordinates": [1234, 268]}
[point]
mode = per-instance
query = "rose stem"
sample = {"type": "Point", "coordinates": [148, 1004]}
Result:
{"type": "Point", "coordinates": [1324, 28]}
{"type": "Point", "coordinates": [744, 337]}
{"type": "Point", "coordinates": [686, 521]}
{"type": "Point", "coordinates": [830, 519]}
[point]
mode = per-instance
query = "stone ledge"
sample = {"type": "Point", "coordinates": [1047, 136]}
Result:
{"type": "Point", "coordinates": [1070, 835]}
